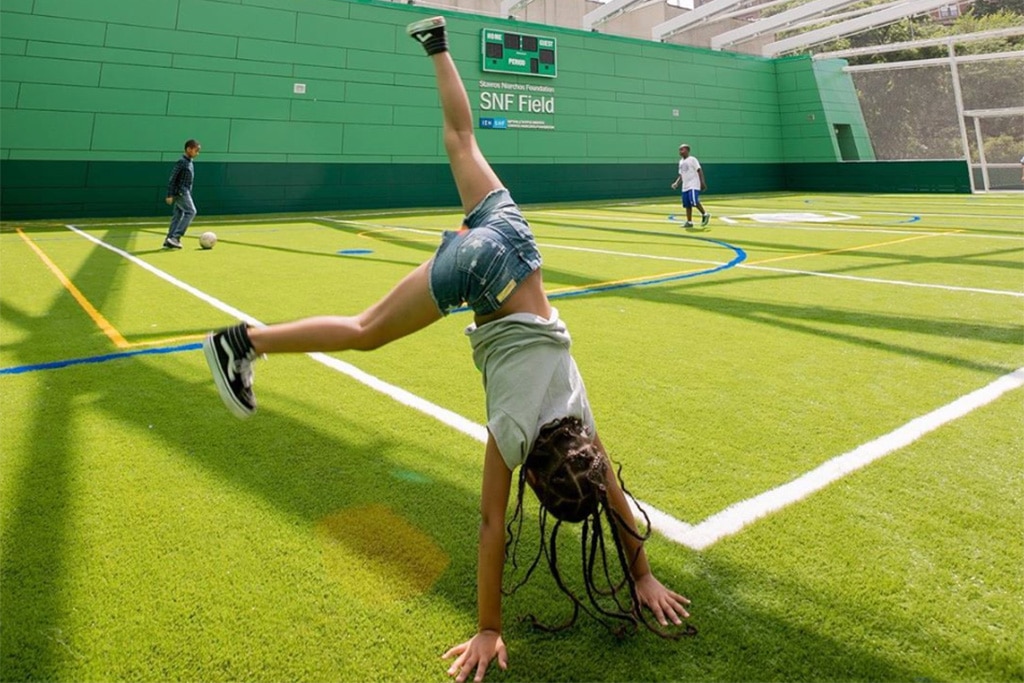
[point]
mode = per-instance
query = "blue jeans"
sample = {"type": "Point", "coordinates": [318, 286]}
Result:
{"type": "Point", "coordinates": [484, 263]}
{"type": "Point", "coordinates": [184, 212]}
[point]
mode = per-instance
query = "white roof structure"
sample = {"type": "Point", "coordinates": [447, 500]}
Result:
{"type": "Point", "coordinates": [750, 26]}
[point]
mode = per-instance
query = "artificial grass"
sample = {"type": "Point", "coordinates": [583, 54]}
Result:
{"type": "Point", "coordinates": [147, 535]}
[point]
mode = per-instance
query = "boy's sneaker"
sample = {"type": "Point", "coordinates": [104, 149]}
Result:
{"type": "Point", "coordinates": [229, 354]}
{"type": "Point", "coordinates": [687, 224]}
{"type": "Point", "coordinates": [705, 218]}
{"type": "Point", "coordinates": [171, 243]}
{"type": "Point", "coordinates": [430, 33]}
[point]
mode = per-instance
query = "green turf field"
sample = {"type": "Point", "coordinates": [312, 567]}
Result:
{"type": "Point", "coordinates": [818, 399]}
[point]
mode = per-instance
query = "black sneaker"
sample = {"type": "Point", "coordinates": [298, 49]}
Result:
{"type": "Point", "coordinates": [430, 33]}
{"type": "Point", "coordinates": [229, 354]}
{"type": "Point", "coordinates": [171, 243]}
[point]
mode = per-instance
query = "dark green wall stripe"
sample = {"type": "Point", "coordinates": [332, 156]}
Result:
{"type": "Point", "coordinates": [76, 189]}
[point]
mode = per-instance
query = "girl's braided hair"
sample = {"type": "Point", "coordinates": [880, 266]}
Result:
{"type": "Point", "coordinates": [567, 471]}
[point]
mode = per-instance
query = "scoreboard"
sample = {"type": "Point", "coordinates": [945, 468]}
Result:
{"type": "Point", "coordinates": [518, 53]}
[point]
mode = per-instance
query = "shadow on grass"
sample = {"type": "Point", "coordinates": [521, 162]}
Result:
{"type": "Point", "coordinates": [305, 473]}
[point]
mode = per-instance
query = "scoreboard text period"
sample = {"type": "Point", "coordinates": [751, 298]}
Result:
{"type": "Point", "coordinates": [518, 53]}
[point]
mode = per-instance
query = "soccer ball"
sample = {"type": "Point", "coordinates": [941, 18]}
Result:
{"type": "Point", "coordinates": [207, 240]}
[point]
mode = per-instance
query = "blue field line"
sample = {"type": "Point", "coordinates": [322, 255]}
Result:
{"type": "Point", "coordinates": [740, 257]}
{"type": "Point", "coordinates": [20, 369]}
{"type": "Point", "coordinates": [912, 219]}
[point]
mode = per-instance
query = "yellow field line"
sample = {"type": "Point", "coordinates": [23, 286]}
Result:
{"type": "Point", "coordinates": [96, 316]}
{"type": "Point", "coordinates": [104, 324]}
{"type": "Point", "coordinates": [839, 251]}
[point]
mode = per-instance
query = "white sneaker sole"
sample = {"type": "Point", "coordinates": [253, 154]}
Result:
{"type": "Point", "coordinates": [424, 25]}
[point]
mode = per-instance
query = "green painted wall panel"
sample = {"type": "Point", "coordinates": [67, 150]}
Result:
{"type": "Point", "coordinates": [76, 98]}
{"type": "Point", "coordinates": [644, 125]}
{"type": "Point", "coordinates": [641, 67]}
{"type": "Point", "coordinates": [46, 129]}
{"type": "Point", "coordinates": [370, 139]}
{"type": "Point", "coordinates": [291, 137]}
{"type": "Point", "coordinates": [341, 112]}
{"type": "Point", "coordinates": [9, 94]}
{"type": "Point", "coordinates": [614, 145]}
{"type": "Point", "coordinates": [320, 30]}
{"type": "Point", "coordinates": [585, 61]}
{"type": "Point", "coordinates": [411, 116]}
{"type": "Point", "coordinates": [249, 85]}
{"type": "Point", "coordinates": [13, 46]}
{"type": "Point", "coordinates": [332, 8]}
{"type": "Point", "coordinates": [343, 75]}
{"type": "Point", "coordinates": [228, 107]}
{"type": "Point", "coordinates": [85, 53]}
{"type": "Point", "coordinates": [422, 81]}
{"type": "Point", "coordinates": [172, 80]}
{"type": "Point", "coordinates": [235, 66]}
{"type": "Point", "coordinates": [618, 84]}
{"type": "Point", "coordinates": [206, 16]}
{"type": "Point", "coordinates": [544, 145]}
{"type": "Point", "coordinates": [35, 27]}
{"type": "Point", "coordinates": [391, 64]}
{"type": "Point", "coordinates": [157, 134]}
{"type": "Point", "coordinates": [54, 71]}
{"type": "Point", "coordinates": [367, 93]}
{"type": "Point", "coordinates": [674, 89]}
{"type": "Point", "coordinates": [500, 145]}
{"type": "Point", "coordinates": [132, 12]}
{"type": "Point", "coordinates": [841, 105]}
{"type": "Point", "coordinates": [613, 109]}
{"type": "Point", "coordinates": [290, 53]}
{"type": "Point", "coordinates": [173, 42]}
{"type": "Point", "coordinates": [24, 6]}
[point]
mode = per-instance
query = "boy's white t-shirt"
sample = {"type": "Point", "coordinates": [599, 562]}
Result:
{"type": "Point", "coordinates": [688, 168]}
{"type": "Point", "coordinates": [530, 379]}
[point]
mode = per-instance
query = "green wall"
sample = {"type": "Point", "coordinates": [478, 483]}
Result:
{"type": "Point", "coordinates": [815, 97]}
{"type": "Point", "coordinates": [97, 98]}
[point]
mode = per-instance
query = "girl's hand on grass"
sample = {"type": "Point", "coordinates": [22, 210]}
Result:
{"type": "Point", "coordinates": [665, 604]}
{"type": "Point", "coordinates": [477, 653]}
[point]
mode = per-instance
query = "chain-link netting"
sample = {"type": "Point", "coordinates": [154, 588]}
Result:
{"type": "Point", "coordinates": [911, 113]}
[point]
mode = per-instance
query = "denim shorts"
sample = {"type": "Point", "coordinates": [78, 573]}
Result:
{"type": "Point", "coordinates": [482, 264]}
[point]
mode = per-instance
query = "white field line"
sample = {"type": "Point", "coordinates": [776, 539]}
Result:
{"type": "Point", "coordinates": [676, 259]}
{"type": "Point", "coordinates": [735, 517]}
{"type": "Point", "coordinates": [720, 525]}
{"type": "Point", "coordinates": [794, 225]}
{"type": "Point", "coordinates": [881, 281]}
{"type": "Point", "coordinates": [401, 395]}
{"type": "Point", "coordinates": [776, 209]}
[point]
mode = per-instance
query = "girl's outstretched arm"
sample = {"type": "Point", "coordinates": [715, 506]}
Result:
{"type": "Point", "coordinates": [475, 655]}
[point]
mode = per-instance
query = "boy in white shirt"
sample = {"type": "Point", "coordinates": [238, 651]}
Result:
{"type": "Point", "coordinates": [691, 178]}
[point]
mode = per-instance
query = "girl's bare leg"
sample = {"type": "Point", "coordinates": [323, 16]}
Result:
{"type": "Point", "coordinates": [408, 307]}
{"type": "Point", "coordinates": [474, 177]}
